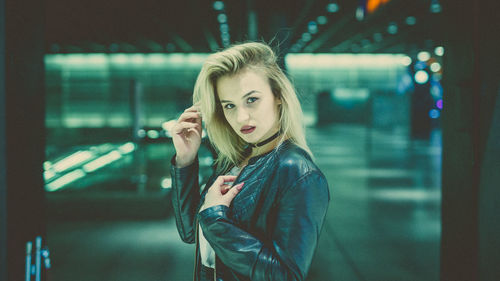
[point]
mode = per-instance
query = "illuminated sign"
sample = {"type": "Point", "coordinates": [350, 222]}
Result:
{"type": "Point", "coordinates": [373, 5]}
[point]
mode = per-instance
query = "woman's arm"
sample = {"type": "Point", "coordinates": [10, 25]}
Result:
{"type": "Point", "coordinates": [185, 198]}
{"type": "Point", "coordinates": [300, 216]}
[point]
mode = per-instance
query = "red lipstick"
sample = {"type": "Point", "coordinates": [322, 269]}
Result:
{"type": "Point", "coordinates": [247, 129]}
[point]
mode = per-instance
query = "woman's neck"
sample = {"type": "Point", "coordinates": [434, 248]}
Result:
{"type": "Point", "coordinates": [256, 151]}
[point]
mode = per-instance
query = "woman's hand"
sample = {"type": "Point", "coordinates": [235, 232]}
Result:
{"type": "Point", "coordinates": [221, 193]}
{"type": "Point", "coordinates": [186, 135]}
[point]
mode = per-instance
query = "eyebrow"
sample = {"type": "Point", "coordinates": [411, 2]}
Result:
{"type": "Point", "coordinates": [244, 96]}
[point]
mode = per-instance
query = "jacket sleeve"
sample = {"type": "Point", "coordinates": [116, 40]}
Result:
{"type": "Point", "coordinates": [185, 198]}
{"type": "Point", "coordinates": [301, 214]}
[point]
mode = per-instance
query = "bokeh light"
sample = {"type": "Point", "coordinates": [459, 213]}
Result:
{"type": "Point", "coordinates": [421, 77]}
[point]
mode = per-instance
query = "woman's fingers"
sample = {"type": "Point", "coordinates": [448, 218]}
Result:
{"type": "Point", "coordinates": [186, 116]}
{"type": "Point", "coordinates": [190, 115]}
{"type": "Point", "coordinates": [231, 193]}
{"type": "Point", "coordinates": [193, 108]}
{"type": "Point", "coordinates": [224, 188]}
{"type": "Point", "coordinates": [227, 178]}
{"type": "Point", "coordinates": [221, 193]}
{"type": "Point", "coordinates": [222, 182]}
{"type": "Point", "coordinates": [180, 127]}
{"type": "Point", "coordinates": [223, 179]}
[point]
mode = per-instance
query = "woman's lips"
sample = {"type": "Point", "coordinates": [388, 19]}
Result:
{"type": "Point", "coordinates": [247, 129]}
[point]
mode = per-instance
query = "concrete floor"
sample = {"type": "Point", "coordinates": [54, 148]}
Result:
{"type": "Point", "coordinates": [383, 223]}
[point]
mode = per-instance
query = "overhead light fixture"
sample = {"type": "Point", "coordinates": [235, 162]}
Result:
{"type": "Point", "coordinates": [102, 161]}
{"type": "Point", "coordinates": [439, 51]}
{"type": "Point", "coordinates": [153, 134]}
{"type": "Point", "coordinates": [406, 61]}
{"type": "Point", "coordinates": [48, 175]}
{"type": "Point", "coordinates": [392, 28]}
{"type": "Point", "coordinates": [222, 18]}
{"type": "Point", "coordinates": [436, 91]}
{"type": "Point", "coordinates": [439, 103]}
{"type": "Point", "coordinates": [225, 36]}
{"type": "Point", "coordinates": [72, 161]}
{"type": "Point", "coordinates": [322, 20]}
{"type": "Point", "coordinates": [332, 7]}
{"type": "Point", "coordinates": [158, 59]}
{"type": "Point", "coordinates": [223, 25]}
{"type": "Point", "coordinates": [141, 133]}
{"type": "Point", "coordinates": [218, 5]}
{"type": "Point", "coordinates": [434, 113]}
{"type": "Point", "coordinates": [435, 7]}
{"type": "Point", "coordinates": [360, 13]}
{"type": "Point", "coordinates": [435, 67]}
{"type": "Point", "coordinates": [65, 180]}
{"type": "Point", "coordinates": [377, 37]}
{"type": "Point", "coordinates": [47, 165]}
{"type": "Point", "coordinates": [423, 56]}
{"type": "Point", "coordinates": [127, 148]}
{"type": "Point", "coordinates": [312, 27]}
{"type": "Point", "coordinates": [411, 20]}
{"type": "Point", "coordinates": [421, 77]}
{"type": "Point", "coordinates": [137, 59]}
{"type": "Point", "coordinates": [306, 37]}
{"type": "Point", "coordinates": [224, 28]}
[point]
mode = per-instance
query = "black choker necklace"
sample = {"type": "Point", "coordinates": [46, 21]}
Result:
{"type": "Point", "coordinates": [265, 141]}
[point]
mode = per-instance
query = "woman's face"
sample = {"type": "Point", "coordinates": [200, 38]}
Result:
{"type": "Point", "coordinates": [249, 105]}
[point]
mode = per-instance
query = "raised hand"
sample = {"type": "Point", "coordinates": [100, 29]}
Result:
{"type": "Point", "coordinates": [186, 135]}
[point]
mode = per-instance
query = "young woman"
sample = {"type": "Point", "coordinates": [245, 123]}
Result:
{"type": "Point", "coordinates": [260, 214]}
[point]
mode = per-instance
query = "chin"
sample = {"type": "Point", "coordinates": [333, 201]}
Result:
{"type": "Point", "coordinates": [250, 139]}
{"type": "Point", "coordinates": [247, 139]}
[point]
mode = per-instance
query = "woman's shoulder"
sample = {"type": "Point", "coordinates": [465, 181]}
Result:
{"type": "Point", "coordinates": [295, 162]}
{"type": "Point", "coordinates": [296, 170]}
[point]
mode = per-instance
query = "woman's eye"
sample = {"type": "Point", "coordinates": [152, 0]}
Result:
{"type": "Point", "coordinates": [251, 100]}
{"type": "Point", "coordinates": [229, 106]}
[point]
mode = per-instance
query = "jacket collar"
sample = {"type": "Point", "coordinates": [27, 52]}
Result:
{"type": "Point", "coordinates": [268, 154]}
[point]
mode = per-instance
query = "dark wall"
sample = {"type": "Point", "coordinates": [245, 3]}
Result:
{"type": "Point", "coordinates": [489, 202]}
{"type": "Point", "coordinates": [21, 131]}
{"type": "Point", "coordinates": [489, 183]}
{"type": "Point", "coordinates": [3, 150]}
{"type": "Point", "coordinates": [469, 240]}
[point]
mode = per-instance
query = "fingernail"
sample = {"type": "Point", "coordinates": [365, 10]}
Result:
{"type": "Point", "coordinates": [240, 186]}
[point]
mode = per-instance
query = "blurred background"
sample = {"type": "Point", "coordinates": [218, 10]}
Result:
{"type": "Point", "coordinates": [106, 77]}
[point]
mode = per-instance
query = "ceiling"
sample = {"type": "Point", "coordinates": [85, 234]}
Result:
{"type": "Point", "coordinates": [160, 26]}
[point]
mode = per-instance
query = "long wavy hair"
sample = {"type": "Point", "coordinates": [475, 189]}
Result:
{"type": "Point", "coordinates": [256, 56]}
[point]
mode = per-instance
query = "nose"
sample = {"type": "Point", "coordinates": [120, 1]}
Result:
{"type": "Point", "coordinates": [242, 115]}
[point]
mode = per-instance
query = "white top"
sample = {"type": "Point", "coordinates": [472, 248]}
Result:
{"type": "Point", "coordinates": [206, 252]}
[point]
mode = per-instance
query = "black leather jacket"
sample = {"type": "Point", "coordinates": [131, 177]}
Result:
{"type": "Point", "coordinates": [271, 230]}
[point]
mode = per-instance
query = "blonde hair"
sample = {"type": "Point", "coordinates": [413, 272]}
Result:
{"type": "Point", "coordinates": [255, 56]}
